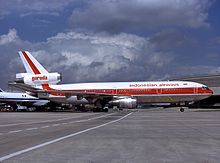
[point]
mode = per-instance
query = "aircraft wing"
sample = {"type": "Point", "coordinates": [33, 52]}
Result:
{"type": "Point", "coordinates": [23, 86]}
{"type": "Point", "coordinates": [7, 100]}
{"type": "Point", "coordinates": [68, 93]}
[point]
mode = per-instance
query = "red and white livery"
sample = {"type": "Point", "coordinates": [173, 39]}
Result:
{"type": "Point", "coordinates": [122, 94]}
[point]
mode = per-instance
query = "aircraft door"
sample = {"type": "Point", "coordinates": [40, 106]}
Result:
{"type": "Point", "coordinates": [159, 91]}
{"type": "Point", "coordinates": [195, 90]}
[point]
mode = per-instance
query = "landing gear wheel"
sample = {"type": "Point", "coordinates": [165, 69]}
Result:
{"type": "Point", "coordinates": [14, 107]}
{"type": "Point", "coordinates": [181, 109]}
{"type": "Point", "coordinates": [105, 109]}
{"type": "Point", "coordinates": [100, 106]}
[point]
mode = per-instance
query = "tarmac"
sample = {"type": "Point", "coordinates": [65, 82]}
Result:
{"type": "Point", "coordinates": [138, 136]}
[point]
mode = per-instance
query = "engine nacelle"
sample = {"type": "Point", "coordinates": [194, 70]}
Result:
{"type": "Point", "coordinates": [50, 78]}
{"type": "Point", "coordinates": [129, 103]}
{"type": "Point", "coordinates": [76, 101]}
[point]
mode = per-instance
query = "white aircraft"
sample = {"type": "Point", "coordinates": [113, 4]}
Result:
{"type": "Point", "coordinates": [18, 99]}
{"type": "Point", "coordinates": [121, 94]}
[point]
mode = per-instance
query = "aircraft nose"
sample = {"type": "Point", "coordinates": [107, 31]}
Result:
{"type": "Point", "coordinates": [209, 91]}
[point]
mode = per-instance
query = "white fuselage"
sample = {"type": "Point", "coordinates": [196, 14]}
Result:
{"type": "Point", "coordinates": [18, 98]}
{"type": "Point", "coordinates": [144, 92]}
{"type": "Point", "coordinates": [9, 96]}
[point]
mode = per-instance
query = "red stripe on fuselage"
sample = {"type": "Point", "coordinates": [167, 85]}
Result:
{"type": "Point", "coordinates": [47, 87]}
{"type": "Point", "coordinates": [32, 65]}
{"type": "Point", "coordinates": [129, 92]}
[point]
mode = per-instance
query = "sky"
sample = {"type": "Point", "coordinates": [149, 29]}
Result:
{"type": "Point", "coordinates": [111, 40]}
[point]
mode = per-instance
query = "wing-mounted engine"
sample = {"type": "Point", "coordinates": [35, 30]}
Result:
{"type": "Point", "coordinates": [129, 103]}
{"type": "Point", "coordinates": [38, 79]}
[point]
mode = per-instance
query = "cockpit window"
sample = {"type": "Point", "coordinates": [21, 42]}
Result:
{"type": "Point", "coordinates": [204, 88]}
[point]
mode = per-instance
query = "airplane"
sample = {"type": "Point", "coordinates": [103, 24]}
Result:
{"type": "Point", "coordinates": [121, 94]}
{"type": "Point", "coordinates": [16, 100]}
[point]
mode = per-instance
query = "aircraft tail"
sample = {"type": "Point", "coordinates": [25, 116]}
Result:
{"type": "Point", "coordinates": [31, 65]}
{"type": "Point", "coordinates": [36, 73]}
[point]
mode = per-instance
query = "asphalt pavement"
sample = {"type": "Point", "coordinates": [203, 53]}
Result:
{"type": "Point", "coordinates": [151, 135]}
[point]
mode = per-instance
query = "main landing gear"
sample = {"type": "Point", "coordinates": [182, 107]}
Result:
{"type": "Point", "coordinates": [182, 109]}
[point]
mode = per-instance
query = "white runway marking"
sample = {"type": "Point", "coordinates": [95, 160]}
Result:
{"type": "Point", "coordinates": [15, 131]}
{"type": "Point", "coordinates": [34, 128]}
{"type": "Point", "coordinates": [59, 139]}
{"type": "Point", "coordinates": [45, 126]}
{"type": "Point", "coordinates": [63, 123]}
{"type": "Point", "coordinates": [56, 125]}
{"type": "Point", "coordinates": [84, 120]}
{"type": "Point", "coordinates": [27, 123]}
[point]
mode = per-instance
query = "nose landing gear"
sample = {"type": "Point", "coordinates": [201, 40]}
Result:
{"type": "Point", "coordinates": [182, 109]}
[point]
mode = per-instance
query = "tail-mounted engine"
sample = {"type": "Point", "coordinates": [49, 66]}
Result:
{"type": "Point", "coordinates": [30, 79]}
{"type": "Point", "coordinates": [129, 103]}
